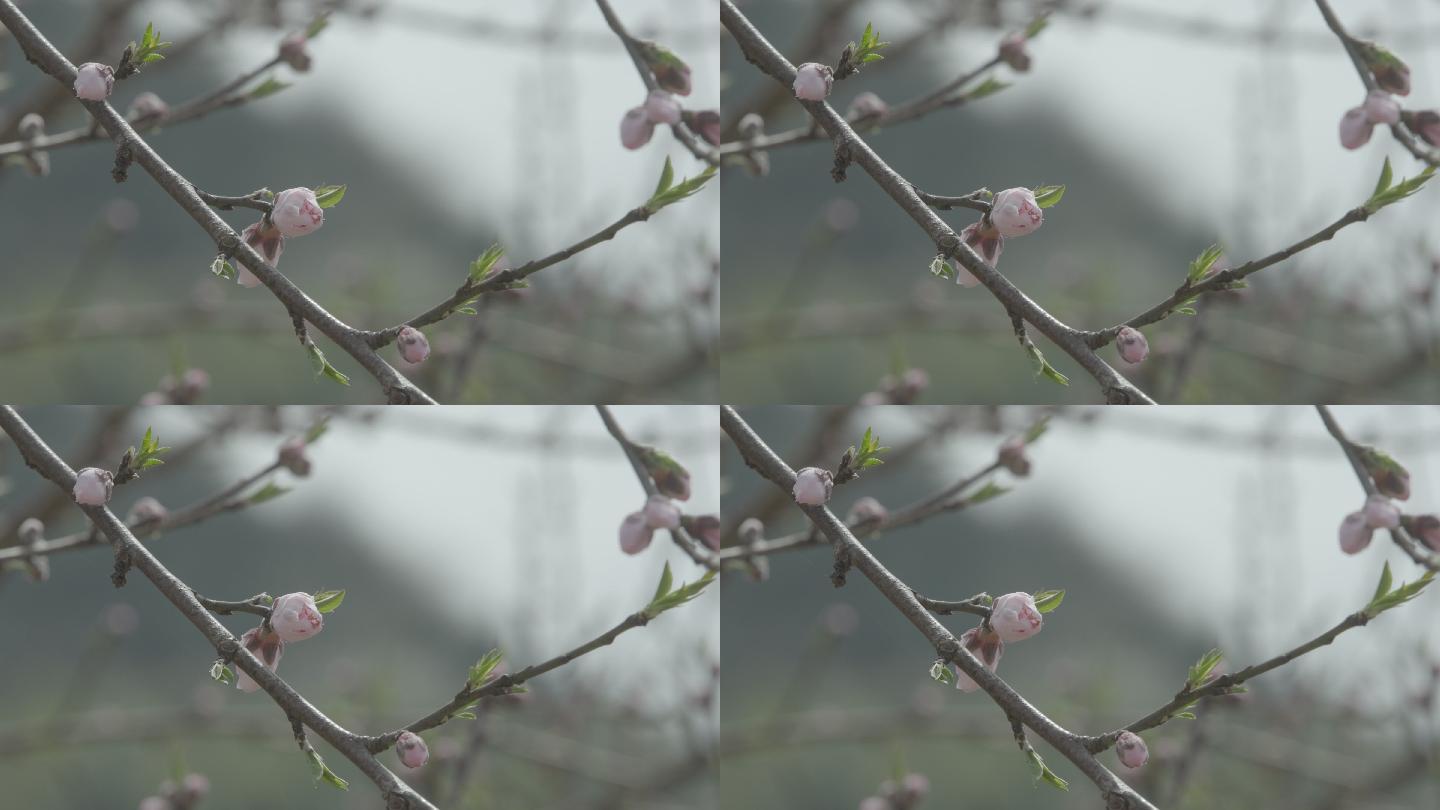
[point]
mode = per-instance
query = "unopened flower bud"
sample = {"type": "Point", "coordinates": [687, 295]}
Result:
{"type": "Point", "coordinates": [295, 617]}
{"type": "Point", "coordinates": [1015, 617]}
{"type": "Point", "coordinates": [1390, 479]}
{"type": "Point", "coordinates": [1012, 457]}
{"type": "Point", "coordinates": [661, 513]}
{"type": "Point", "coordinates": [813, 81]}
{"type": "Point", "coordinates": [147, 107]}
{"type": "Point", "coordinates": [985, 646]}
{"type": "Point", "coordinates": [31, 531]}
{"type": "Point", "coordinates": [1132, 345]}
{"type": "Point", "coordinates": [94, 81]}
{"type": "Point", "coordinates": [662, 108]}
{"type": "Point", "coordinates": [813, 486]}
{"type": "Point", "coordinates": [671, 479]}
{"type": "Point", "coordinates": [867, 510]}
{"type": "Point", "coordinates": [1355, 128]}
{"type": "Point", "coordinates": [296, 212]}
{"type": "Point", "coordinates": [635, 533]}
{"type": "Point", "coordinates": [1355, 533]}
{"type": "Point", "coordinates": [413, 346]}
{"type": "Point", "coordinates": [705, 527]}
{"type": "Point", "coordinates": [31, 126]}
{"type": "Point", "coordinates": [1381, 108]}
{"type": "Point", "coordinates": [707, 123]}
{"type": "Point", "coordinates": [1014, 212]}
{"type": "Point", "coordinates": [267, 647]}
{"type": "Point", "coordinates": [865, 106]}
{"type": "Point", "coordinates": [294, 51]}
{"type": "Point", "coordinates": [147, 510]}
{"type": "Point", "coordinates": [636, 128]}
{"type": "Point", "coordinates": [1427, 529]}
{"type": "Point", "coordinates": [670, 71]}
{"type": "Point", "coordinates": [1013, 52]}
{"type": "Point", "coordinates": [751, 531]}
{"type": "Point", "coordinates": [194, 787]}
{"type": "Point", "coordinates": [293, 456]}
{"type": "Point", "coordinates": [1391, 74]}
{"type": "Point", "coordinates": [93, 486]}
{"type": "Point", "coordinates": [1131, 749]}
{"type": "Point", "coordinates": [268, 242]}
{"type": "Point", "coordinates": [752, 125]}
{"type": "Point", "coordinates": [983, 239]}
{"type": "Point", "coordinates": [1380, 512]}
{"type": "Point", "coordinates": [1425, 123]}
{"type": "Point", "coordinates": [412, 749]}
{"type": "Point", "coordinates": [914, 787]}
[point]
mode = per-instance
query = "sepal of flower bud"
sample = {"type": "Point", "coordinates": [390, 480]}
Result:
{"type": "Point", "coordinates": [295, 53]}
{"type": "Point", "coordinates": [636, 128]}
{"type": "Point", "coordinates": [661, 513]}
{"type": "Point", "coordinates": [670, 71]}
{"type": "Point", "coordinates": [411, 749]}
{"type": "Point", "coordinates": [813, 486]}
{"type": "Point", "coordinates": [1355, 128]}
{"type": "Point", "coordinates": [1132, 345]}
{"type": "Point", "coordinates": [635, 533]}
{"type": "Point", "coordinates": [267, 647]}
{"type": "Point", "coordinates": [296, 212]}
{"type": "Point", "coordinates": [986, 646]}
{"type": "Point", "coordinates": [1131, 749]}
{"type": "Point", "coordinates": [1014, 212]}
{"type": "Point", "coordinates": [93, 486]}
{"type": "Point", "coordinates": [813, 81]}
{"type": "Point", "coordinates": [293, 456]}
{"type": "Point", "coordinates": [662, 108]}
{"type": "Point", "coordinates": [94, 81]}
{"type": "Point", "coordinates": [670, 477]}
{"type": "Point", "coordinates": [1014, 53]}
{"type": "Point", "coordinates": [1015, 617]}
{"type": "Point", "coordinates": [1380, 512]}
{"type": "Point", "coordinates": [413, 345]}
{"type": "Point", "coordinates": [1355, 533]}
{"type": "Point", "coordinates": [295, 617]}
{"type": "Point", "coordinates": [1381, 108]}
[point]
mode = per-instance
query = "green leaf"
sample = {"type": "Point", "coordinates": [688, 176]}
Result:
{"type": "Point", "coordinates": [466, 713]}
{"type": "Point", "coordinates": [667, 177]}
{"type": "Point", "coordinates": [269, 492]}
{"type": "Point", "coordinates": [1037, 25]}
{"type": "Point", "coordinates": [1386, 581]}
{"type": "Point", "coordinates": [269, 87]}
{"type": "Point", "coordinates": [666, 581]}
{"type": "Point", "coordinates": [480, 670]}
{"type": "Point", "coordinates": [1386, 175]}
{"type": "Point", "coordinates": [481, 268]}
{"type": "Point", "coordinates": [941, 268]}
{"type": "Point", "coordinates": [1043, 772]}
{"type": "Point", "coordinates": [317, 430]}
{"type": "Point", "coordinates": [1201, 669]}
{"type": "Point", "coordinates": [328, 601]}
{"type": "Point", "coordinates": [1393, 598]}
{"type": "Point", "coordinates": [990, 491]}
{"type": "Point", "coordinates": [329, 196]}
{"type": "Point", "coordinates": [322, 366]}
{"type": "Point", "coordinates": [1048, 196]}
{"type": "Point", "coordinates": [678, 596]}
{"type": "Point", "coordinates": [317, 25]}
{"type": "Point", "coordinates": [941, 672]}
{"type": "Point", "coordinates": [1046, 601]}
{"type": "Point", "coordinates": [322, 771]}
{"type": "Point", "coordinates": [1398, 191]}
{"type": "Point", "coordinates": [989, 87]}
{"type": "Point", "coordinates": [679, 191]}
{"type": "Point", "coordinates": [1043, 367]}
{"type": "Point", "coordinates": [222, 268]}
{"type": "Point", "coordinates": [1037, 430]}
{"type": "Point", "coordinates": [222, 672]}
{"type": "Point", "coordinates": [1202, 264]}
{"type": "Point", "coordinates": [1186, 716]}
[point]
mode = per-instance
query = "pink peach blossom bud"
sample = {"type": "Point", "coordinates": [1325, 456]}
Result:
{"type": "Point", "coordinates": [984, 645]}
{"type": "Point", "coordinates": [1015, 617]}
{"type": "Point", "coordinates": [1131, 749]}
{"type": "Point", "coordinates": [661, 513]}
{"type": "Point", "coordinates": [296, 212]}
{"type": "Point", "coordinates": [147, 510]}
{"type": "Point", "coordinates": [267, 241]}
{"type": "Point", "coordinates": [636, 128]}
{"type": "Point", "coordinates": [94, 81]}
{"type": "Point", "coordinates": [413, 346]}
{"type": "Point", "coordinates": [813, 486]}
{"type": "Point", "coordinates": [662, 108]}
{"type": "Point", "coordinates": [1425, 123]}
{"type": "Point", "coordinates": [293, 51]}
{"type": "Point", "coordinates": [705, 527]}
{"type": "Point", "coordinates": [867, 510]}
{"type": "Point", "coordinates": [813, 81]}
{"type": "Point", "coordinates": [267, 647]}
{"type": "Point", "coordinates": [93, 486]}
{"type": "Point", "coordinates": [867, 105]}
{"type": "Point", "coordinates": [914, 787]}
{"type": "Point", "coordinates": [412, 750]}
{"type": "Point", "coordinates": [1012, 457]}
{"type": "Point", "coordinates": [1132, 345]}
{"type": "Point", "coordinates": [293, 456]}
{"type": "Point", "coordinates": [295, 617]}
{"type": "Point", "coordinates": [1381, 108]}
{"type": "Point", "coordinates": [707, 123]}
{"type": "Point", "coordinates": [635, 533]}
{"type": "Point", "coordinates": [1355, 128]}
{"type": "Point", "coordinates": [1013, 52]}
{"type": "Point", "coordinates": [194, 787]}
{"type": "Point", "coordinates": [1392, 481]}
{"type": "Point", "coordinates": [1014, 212]}
{"type": "Point", "coordinates": [1380, 512]}
{"type": "Point", "coordinates": [1427, 529]}
{"type": "Point", "coordinates": [985, 240]}
{"type": "Point", "coordinates": [147, 107]}
{"type": "Point", "coordinates": [1355, 533]}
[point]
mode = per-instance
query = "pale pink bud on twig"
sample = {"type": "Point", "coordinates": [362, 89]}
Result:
{"type": "Point", "coordinates": [293, 456]}
{"type": "Point", "coordinates": [1427, 529]}
{"type": "Point", "coordinates": [635, 533]}
{"type": "Point", "coordinates": [1381, 108]}
{"type": "Point", "coordinates": [1380, 512]}
{"type": "Point", "coordinates": [636, 128]}
{"type": "Point", "coordinates": [31, 533]}
{"type": "Point", "coordinates": [94, 81]}
{"type": "Point", "coordinates": [1013, 52]}
{"type": "Point", "coordinates": [413, 346]}
{"type": "Point", "coordinates": [1015, 617]}
{"type": "Point", "coordinates": [1355, 533]}
{"type": "Point", "coordinates": [412, 749]}
{"type": "Point", "coordinates": [705, 527]}
{"type": "Point", "coordinates": [93, 486]}
{"type": "Point", "coordinates": [867, 510]}
{"type": "Point", "coordinates": [985, 240]}
{"type": "Point", "coordinates": [813, 81]}
{"type": "Point", "coordinates": [31, 126]}
{"type": "Point", "coordinates": [661, 513]}
{"type": "Point", "coordinates": [293, 51]}
{"type": "Point", "coordinates": [1131, 749]}
{"type": "Point", "coordinates": [1132, 345]}
{"type": "Point", "coordinates": [984, 645]}
{"type": "Point", "coordinates": [1355, 128]}
{"type": "Point", "coordinates": [1425, 123]}
{"type": "Point", "coordinates": [707, 123]}
{"type": "Point", "coordinates": [147, 510]}
{"type": "Point", "coordinates": [296, 212]}
{"type": "Point", "coordinates": [867, 105]}
{"type": "Point", "coordinates": [813, 486]}
{"type": "Point", "coordinates": [1012, 457]}
{"type": "Point", "coordinates": [1014, 212]}
{"type": "Point", "coordinates": [662, 108]}
{"type": "Point", "coordinates": [267, 647]}
{"type": "Point", "coordinates": [147, 107]}
{"type": "Point", "coordinates": [295, 617]}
